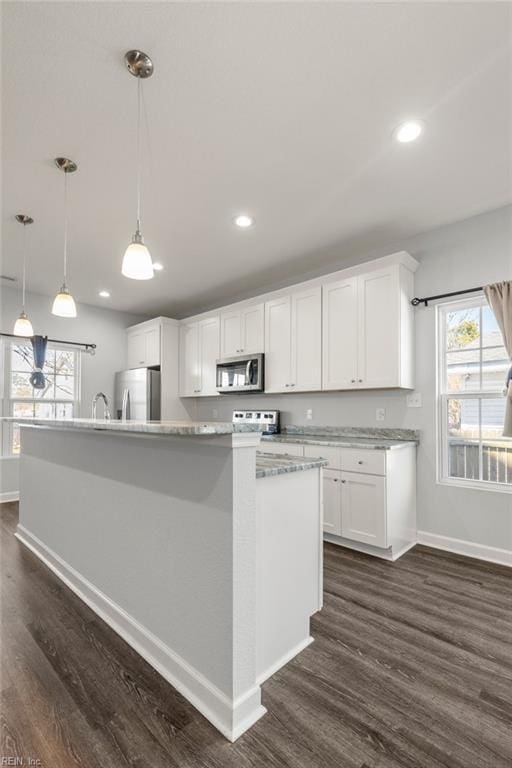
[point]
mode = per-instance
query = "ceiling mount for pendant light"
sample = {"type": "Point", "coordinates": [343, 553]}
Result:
{"type": "Point", "coordinates": [137, 261]}
{"type": "Point", "coordinates": [64, 304]}
{"type": "Point", "coordinates": [23, 326]}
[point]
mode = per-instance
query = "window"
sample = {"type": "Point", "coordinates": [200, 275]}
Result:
{"type": "Point", "coordinates": [472, 372]}
{"type": "Point", "coordinates": [59, 398]}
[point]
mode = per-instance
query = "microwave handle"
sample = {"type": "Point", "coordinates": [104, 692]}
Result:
{"type": "Point", "coordinates": [248, 372]}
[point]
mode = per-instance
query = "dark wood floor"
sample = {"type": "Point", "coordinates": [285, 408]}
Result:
{"type": "Point", "coordinates": [411, 666]}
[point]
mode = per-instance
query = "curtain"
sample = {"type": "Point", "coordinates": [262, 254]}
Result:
{"type": "Point", "coordinates": [499, 297]}
{"type": "Point", "coordinates": [39, 347]}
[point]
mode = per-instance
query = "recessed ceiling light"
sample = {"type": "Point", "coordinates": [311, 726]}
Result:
{"type": "Point", "coordinates": [157, 266]}
{"type": "Point", "coordinates": [244, 221]}
{"type": "Point", "coordinates": [105, 294]}
{"type": "Point", "coordinates": [409, 131]}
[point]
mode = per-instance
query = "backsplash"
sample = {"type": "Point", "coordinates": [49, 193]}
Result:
{"type": "Point", "coordinates": [372, 432]}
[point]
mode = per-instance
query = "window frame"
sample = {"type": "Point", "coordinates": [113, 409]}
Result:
{"type": "Point", "coordinates": [443, 396]}
{"type": "Point", "coordinates": [8, 402]}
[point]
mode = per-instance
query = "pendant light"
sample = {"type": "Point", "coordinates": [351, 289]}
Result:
{"type": "Point", "coordinates": [137, 262]}
{"type": "Point", "coordinates": [23, 326]}
{"type": "Point", "coordinates": [64, 304]}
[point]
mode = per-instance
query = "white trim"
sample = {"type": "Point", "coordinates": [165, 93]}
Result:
{"type": "Point", "coordinates": [398, 258]}
{"type": "Point", "coordinates": [230, 717]}
{"type": "Point", "coordinates": [284, 660]}
{"type": "Point", "coordinates": [368, 549]}
{"type": "Point", "coordinates": [468, 548]}
{"type": "Point", "coordinates": [9, 496]}
{"type": "Point", "coordinates": [476, 485]}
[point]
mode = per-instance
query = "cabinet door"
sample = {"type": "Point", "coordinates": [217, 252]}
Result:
{"type": "Point", "coordinates": [136, 349]}
{"type": "Point", "coordinates": [340, 335]}
{"type": "Point", "coordinates": [379, 329]}
{"type": "Point", "coordinates": [332, 502]}
{"type": "Point", "coordinates": [252, 322]}
{"type": "Point", "coordinates": [190, 373]}
{"type": "Point", "coordinates": [306, 340]}
{"type": "Point", "coordinates": [152, 345]}
{"type": "Point", "coordinates": [209, 354]}
{"type": "Point", "coordinates": [278, 345]}
{"type": "Point", "coordinates": [363, 505]}
{"type": "Point", "coordinates": [230, 343]}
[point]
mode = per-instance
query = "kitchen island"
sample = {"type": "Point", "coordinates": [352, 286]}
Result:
{"type": "Point", "coordinates": [204, 556]}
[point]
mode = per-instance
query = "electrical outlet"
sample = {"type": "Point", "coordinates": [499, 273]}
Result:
{"type": "Point", "coordinates": [215, 413]}
{"type": "Point", "coordinates": [380, 414]}
{"type": "Point", "coordinates": [414, 400]}
{"type": "Point", "coordinates": [309, 413]}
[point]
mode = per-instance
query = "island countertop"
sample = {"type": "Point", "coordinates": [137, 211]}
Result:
{"type": "Point", "coordinates": [269, 464]}
{"type": "Point", "coordinates": [184, 428]}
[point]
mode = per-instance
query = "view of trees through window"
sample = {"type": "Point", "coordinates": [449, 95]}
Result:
{"type": "Point", "coordinates": [60, 394]}
{"type": "Point", "coordinates": [473, 373]}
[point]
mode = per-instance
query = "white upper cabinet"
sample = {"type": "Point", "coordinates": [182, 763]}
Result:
{"type": "Point", "coordinates": [306, 341]}
{"type": "Point", "coordinates": [242, 330]}
{"type": "Point", "coordinates": [190, 367]}
{"type": "Point", "coordinates": [209, 338]}
{"type": "Point", "coordinates": [199, 352]}
{"type": "Point", "coordinates": [252, 329]}
{"type": "Point", "coordinates": [278, 329]}
{"type": "Point", "coordinates": [144, 344]}
{"type": "Point", "coordinates": [293, 347]}
{"type": "Point", "coordinates": [340, 339]}
{"type": "Point", "coordinates": [367, 330]}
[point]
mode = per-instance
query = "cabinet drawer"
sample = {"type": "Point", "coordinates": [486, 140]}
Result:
{"type": "Point", "coordinates": [333, 455]}
{"type": "Point", "coordinates": [293, 449]}
{"type": "Point", "coordinates": [368, 461]}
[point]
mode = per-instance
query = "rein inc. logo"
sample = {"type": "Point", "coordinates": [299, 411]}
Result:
{"type": "Point", "coordinates": [34, 761]}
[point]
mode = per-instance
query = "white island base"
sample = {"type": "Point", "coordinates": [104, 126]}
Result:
{"type": "Point", "coordinates": [207, 572]}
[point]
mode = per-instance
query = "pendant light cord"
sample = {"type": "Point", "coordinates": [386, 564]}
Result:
{"type": "Point", "coordinates": [139, 86]}
{"type": "Point", "coordinates": [65, 226]}
{"type": "Point", "coordinates": [24, 264]}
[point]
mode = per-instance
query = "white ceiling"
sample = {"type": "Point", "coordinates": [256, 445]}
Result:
{"type": "Point", "coordinates": [282, 110]}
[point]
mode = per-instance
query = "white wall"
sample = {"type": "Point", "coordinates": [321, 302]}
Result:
{"type": "Point", "coordinates": [462, 255]}
{"type": "Point", "coordinates": [103, 327]}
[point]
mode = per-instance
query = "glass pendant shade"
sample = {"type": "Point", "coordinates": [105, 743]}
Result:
{"type": "Point", "coordinates": [23, 326]}
{"type": "Point", "coordinates": [64, 304]}
{"type": "Point", "coordinates": [137, 262]}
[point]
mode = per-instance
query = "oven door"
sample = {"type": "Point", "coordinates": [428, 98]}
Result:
{"type": "Point", "coordinates": [240, 374]}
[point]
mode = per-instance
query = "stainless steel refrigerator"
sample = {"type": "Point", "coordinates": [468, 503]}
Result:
{"type": "Point", "coordinates": [137, 394]}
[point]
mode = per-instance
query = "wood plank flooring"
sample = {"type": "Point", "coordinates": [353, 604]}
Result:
{"type": "Point", "coordinates": [411, 668]}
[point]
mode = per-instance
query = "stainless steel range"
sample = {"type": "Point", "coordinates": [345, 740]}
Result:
{"type": "Point", "coordinates": [268, 420]}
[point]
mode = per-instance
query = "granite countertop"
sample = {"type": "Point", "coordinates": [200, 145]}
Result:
{"type": "Point", "coordinates": [268, 464]}
{"type": "Point", "coordinates": [143, 427]}
{"type": "Point", "coordinates": [382, 439]}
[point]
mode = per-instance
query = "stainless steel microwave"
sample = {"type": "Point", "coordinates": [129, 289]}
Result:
{"type": "Point", "coordinates": [242, 373]}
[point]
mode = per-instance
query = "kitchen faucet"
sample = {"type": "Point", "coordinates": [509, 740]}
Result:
{"type": "Point", "coordinates": [102, 396]}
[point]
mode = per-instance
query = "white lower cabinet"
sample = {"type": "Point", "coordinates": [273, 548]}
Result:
{"type": "Point", "coordinates": [363, 501]}
{"type": "Point", "coordinates": [369, 498]}
{"type": "Point", "coordinates": [332, 502]}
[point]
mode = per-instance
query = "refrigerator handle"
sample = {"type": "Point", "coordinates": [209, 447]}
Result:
{"type": "Point", "coordinates": [125, 408]}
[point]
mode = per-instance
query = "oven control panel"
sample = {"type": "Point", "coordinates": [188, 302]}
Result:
{"type": "Point", "coordinates": [268, 420]}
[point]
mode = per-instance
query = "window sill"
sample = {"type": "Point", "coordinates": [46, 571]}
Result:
{"type": "Point", "coordinates": [476, 485]}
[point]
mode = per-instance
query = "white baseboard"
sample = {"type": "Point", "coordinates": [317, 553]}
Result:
{"type": "Point", "coordinates": [284, 660]}
{"type": "Point", "coordinates": [230, 717]}
{"type": "Point", "coordinates": [468, 548]}
{"type": "Point", "coordinates": [367, 549]}
{"type": "Point", "coordinates": [9, 496]}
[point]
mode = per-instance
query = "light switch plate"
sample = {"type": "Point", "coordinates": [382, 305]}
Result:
{"type": "Point", "coordinates": [380, 414]}
{"type": "Point", "coordinates": [414, 400]}
{"type": "Point", "coordinates": [309, 413]}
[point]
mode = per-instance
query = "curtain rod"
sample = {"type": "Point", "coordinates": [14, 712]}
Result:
{"type": "Point", "coordinates": [90, 348]}
{"type": "Point", "coordinates": [426, 299]}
